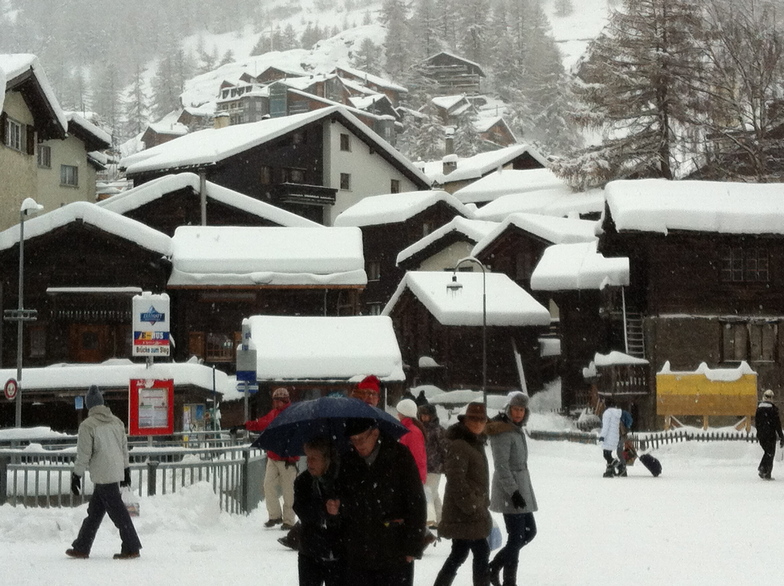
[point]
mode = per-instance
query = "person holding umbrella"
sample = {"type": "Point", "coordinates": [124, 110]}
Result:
{"type": "Point", "coordinates": [382, 506]}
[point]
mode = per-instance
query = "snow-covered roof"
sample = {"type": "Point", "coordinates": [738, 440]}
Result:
{"type": "Point", "coordinates": [210, 146]}
{"type": "Point", "coordinates": [396, 207]}
{"type": "Point", "coordinates": [552, 229]}
{"type": "Point", "coordinates": [508, 304]}
{"type": "Point", "coordinates": [173, 128]}
{"type": "Point", "coordinates": [257, 256]}
{"type": "Point", "coordinates": [325, 348]}
{"type": "Point", "coordinates": [131, 199]}
{"type": "Point", "coordinates": [714, 374]}
{"type": "Point", "coordinates": [506, 181]}
{"type": "Point", "coordinates": [658, 205]}
{"type": "Point", "coordinates": [364, 102]}
{"type": "Point", "coordinates": [117, 373]}
{"type": "Point", "coordinates": [449, 102]}
{"type": "Point", "coordinates": [615, 358]}
{"type": "Point", "coordinates": [472, 230]}
{"type": "Point", "coordinates": [99, 133]}
{"type": "Point", "coordinates": [560, 201]}
{"type": "Point", "coordinates": [567, 267]}
{"type": "Point", "coordinates": [94, 215]}
{"type": "Point", "coordinates": [370, 78]}
{"type": "Point", "coordinates": [479, 165]}
{"type": "Point", "coordinates": [458, 57]}
{"type": "Point", "coordinates": [15, 64]}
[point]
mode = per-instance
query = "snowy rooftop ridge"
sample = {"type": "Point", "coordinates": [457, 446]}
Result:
{"type": "Point", "coordinates": [396, 207]}
{"type": "Point", "coordinates": [479, 165]}
{"type": "Point", "coordinates": [134, 198]}
{"type": "Point", "coordinates": [508, 304]}
{"type": "Point", "coordinates": [219, 255]}
{"type": "Point", "coordinates": [507, 181]}
{"type": "Point", "coordinates": [89, 127]}
{"type": "Point", "coordinates": [714, 374]}
{"type": "Point", "coordinates": [572, 267]}
{"type": "Point", "coordinates": [560, 201]}
{"type": "Point", "coordinates": [473, 230]}
{"type": "Point", "coordinates": [94, 215]}
{"type": "Point", "coordinates": [659, 205]}
{"type": "Point", "coordinates": [15, 64]}
{"type": "Point", "coordinates": [341, 348]}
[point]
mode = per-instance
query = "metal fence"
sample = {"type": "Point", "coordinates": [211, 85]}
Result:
{"type": "Point", "coordinates": [646, 440]}
{"type": "Point", "coordinates": [39, 474]}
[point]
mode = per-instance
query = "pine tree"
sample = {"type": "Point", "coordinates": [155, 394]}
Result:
{"type": "Point", "coordinates": [394, 15]}
{"type": "Point", "coordinates": [135, 106]}
{"type": "Point", "coordinates": [635, 88]}
{"type": "Point", "coordinates": [472, 22]}
{"type": "Point", "coordinates": [368, 57]}
{"type": "Point", "coordinates": [424, 30]}
{"type": "Point", "coordinates": [467, 140]}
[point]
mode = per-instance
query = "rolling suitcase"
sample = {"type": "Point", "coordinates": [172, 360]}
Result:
{"type": "Point", "coordinates": [652, 464]}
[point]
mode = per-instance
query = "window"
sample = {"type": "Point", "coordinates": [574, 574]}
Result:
{"type": "Point", "coordinates": [345, 142]}
{"type": "Point", "coordinates": [69, 175]}
{"type": "Point", "coordinates": [394, 186]}
{"type": "Point", "coordinates": [265, 175]}
{"type": "Point", "coordinates": [295, 176]}
{"type": "Point", "coordinates": [373, 270]}
{"type": "Point", "coordinates": [752, 340]}
{"type": "Point", "coordinates": [345, 181]}
{"type": "Point", "coordinates": [14, 134]}
{"type": "Point", "coordinates": [220, 348]}
{"type": "Point", "coordinates": [37, 335]}
{"type": "Point", "coordinates": [374, 308]}
{"type": "Point", "coordinates": [44, 156]}
{"type": "Point", "coordinates": [745, 265]}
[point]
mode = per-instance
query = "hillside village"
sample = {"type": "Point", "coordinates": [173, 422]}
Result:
{"type": "Point", "coordinates": [284, 206]}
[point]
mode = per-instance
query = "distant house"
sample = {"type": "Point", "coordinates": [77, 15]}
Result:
{"type": "Point", "coordinates": [221, 275]}
{"type": "Point", "coordinates": [440, 330]}
{"type": "Point", "coordinates": [452, 74]}
{"type": "Point", "coordinates": [195, 118]}
{"type": "Point", "coordinates": [496, 132]}
{"type": "Point", "coordinates": [390, 223]}
{"type": "Point", "coordinates": [454, 173]}
{"type": "Point", "coordinates": [441, 249]}
{"type": "Point", "coordinates": [315, 164]}
{"type": "Point", "coordinates": [29, 113]}
{"type": "Point", "coordinates": [449, 109]}
{"type": "Point", "coordinates": [509, 181]}
{"type": "Point", "coordinates": [160, 133]}
{"type": "Point", "coordinates": [375, 83]}
{"type": "Point", "coordinates": [176, 200]}
{"type": "Point", "coordinates": [243, 103]}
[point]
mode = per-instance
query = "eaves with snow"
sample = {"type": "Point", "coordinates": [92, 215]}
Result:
{"type": "Point", "coordinates": [557, 201]}
{"type": "Point", "coordinates": [457, 228]}
{"type": "Point", "coordinates": [659, 205]}
{"type": "Point", "coordinates": [129, 200]}
{"type": "Point", "coordinates": [505, 181]}
{"type": "Point", "coordinates": [508, 304]}
{"type": "Point", "coordinates": [394, 208]}
{"type": "Point", "coordinates": [344, 348]}
{"type": "Point", "coordinates": [472, 168]}
{"type": "Point", "coordinates": [219, 256]}
{"type": "Point", "coordinates": [574, 267]}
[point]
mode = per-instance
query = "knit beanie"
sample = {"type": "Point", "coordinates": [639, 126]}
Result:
{"type": "Point", "coordinates": [407, 408]}
{"type": "Point", "coordinates": [93, 398]}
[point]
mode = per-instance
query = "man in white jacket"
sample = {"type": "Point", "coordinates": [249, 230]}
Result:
{"type": "Point", "coordinates": [102, 448]}
{"type": "Point", "coordinates": [610, 436]}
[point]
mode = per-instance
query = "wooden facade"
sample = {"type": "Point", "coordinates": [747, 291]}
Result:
{"type": "Point", "coordinates": [452, 74]}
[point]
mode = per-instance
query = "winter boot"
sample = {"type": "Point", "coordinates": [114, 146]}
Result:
{"type": "Point", "coordinates": [609, 472]}
{"type": "Point", "coordinates": [622, 470]}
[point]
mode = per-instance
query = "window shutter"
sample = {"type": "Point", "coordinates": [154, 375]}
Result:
{"type": "Point", "coordinates": [30, 131]}
{"type": "Point", "coordinates": [3, 117]}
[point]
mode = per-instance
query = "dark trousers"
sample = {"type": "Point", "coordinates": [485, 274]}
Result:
{"type": "Point", "coordinates": [401, 575]}
{"type": "Point", "coordinates": [768, 445]}
{"type": "Point", "coordinates": [520, 530]}
{"type": "Point", "coordinates": [460, 548]}
{"type": "Point", "coordinates": [316, 572]}
{"type": "Point", "coordinates": [106, 499]}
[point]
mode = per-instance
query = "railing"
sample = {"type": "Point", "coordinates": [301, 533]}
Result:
{"type": "Point", "coordinates": [39, 475]}
{"type": "Point", "coordinates": [645, 440]}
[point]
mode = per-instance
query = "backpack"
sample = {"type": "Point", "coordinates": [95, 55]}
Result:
{"type": "Point", "coordinates": [626, 422]}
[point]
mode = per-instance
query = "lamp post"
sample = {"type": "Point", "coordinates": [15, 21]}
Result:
{"type": "Point", "coordinates": [21, 315]}
{"type": "Point", "coordinates": [455, 287]}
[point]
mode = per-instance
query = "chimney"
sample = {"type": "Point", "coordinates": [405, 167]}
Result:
{"type": "Point", "coordinates": [221, 120]}
{"type": "Point", "coordinates": [449, 163]}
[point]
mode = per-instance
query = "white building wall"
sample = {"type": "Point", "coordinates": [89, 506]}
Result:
{"type": "Point", "coordinates": [370, 173]}
{"type": "Point", "coordinates": [18, 179]}
{"type": "Point", "coordinates": [447, 258]}
{"type": "Point", "coordinates": [51, 194]}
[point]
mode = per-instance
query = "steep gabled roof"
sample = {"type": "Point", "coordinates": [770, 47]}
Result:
{"type": "Point", "coordinates": [93, 137]}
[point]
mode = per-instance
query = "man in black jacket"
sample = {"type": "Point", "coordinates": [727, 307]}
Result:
{"type": "Point", "coordinates": [768, 428]}
{"type": "Point", "coordinates": [382, 508]}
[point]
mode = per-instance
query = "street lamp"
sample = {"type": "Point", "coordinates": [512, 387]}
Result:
{"type": "Point", "coordinates": [21, 315]}
{"type": "Point", "coordinates": [454, 287]}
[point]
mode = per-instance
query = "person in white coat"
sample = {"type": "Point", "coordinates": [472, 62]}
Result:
{"type": "Point", "coordinates": [102, 448]}
{"type": "Point", "coordinates": [610, 437]}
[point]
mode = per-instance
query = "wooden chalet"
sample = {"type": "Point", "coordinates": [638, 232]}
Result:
{"type": "Point", "coordinates": [441, 249]}
{"type": "Point", "coordinates": [315, 164]}
{"type": "Point", "coordinates": [452, 74]}
{"type": "Point", "coordinates": [440, 330]}
{"type": "Point", "coordinates": [176, 200]}
{"type": "Point", "coordinates": [389, 224]}
{"type": "Point", "coordinates": [161, 133]}
{"type": "Point", "coordinates": [496, 132]}
{"type": "Point", "coordinates": [375, 83]}
{"type": "Point", "coordinates": [706, 271]}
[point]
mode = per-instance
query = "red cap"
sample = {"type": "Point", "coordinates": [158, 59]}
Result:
{"type": "Point", "coordinates": [370, 383]}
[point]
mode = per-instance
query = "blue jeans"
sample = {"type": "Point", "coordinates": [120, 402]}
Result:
{"type": "Point", "coordinates": [521, 530]}
{"type": "Point", "coordinates": [460, 548]}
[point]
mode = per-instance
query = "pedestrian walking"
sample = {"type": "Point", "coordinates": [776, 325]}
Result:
{"type": "Point", "coordinates": [610, 437]}
{"type": "Point", "coordinates": [435, 446]}
{"type": "Point", "coordinates": [102, 448]}
{"type": "Point", "coordinates": [768, 424]}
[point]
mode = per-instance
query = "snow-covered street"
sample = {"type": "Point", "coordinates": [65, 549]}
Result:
{"type": "Point", "coordinates": [708, 520]}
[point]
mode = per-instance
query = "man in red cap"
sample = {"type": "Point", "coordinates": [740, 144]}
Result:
{"type": "Point", "coordinates": [281, 472]}
{"type": "Point", "coordinates": [368, 390]}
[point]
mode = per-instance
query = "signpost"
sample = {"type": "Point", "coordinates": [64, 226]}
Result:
{"type": "Point", "coordinates": [151, 325]}
{"type": "Point", "coordinates": [10, 389]}
{"type": "Point", "coordinates": [151, 407]}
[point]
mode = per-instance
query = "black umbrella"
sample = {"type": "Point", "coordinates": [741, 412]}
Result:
{"type": "Point", "coordinates": [327, 416]}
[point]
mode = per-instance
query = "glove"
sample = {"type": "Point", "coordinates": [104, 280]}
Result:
{"type": "Point", "coordinates": [517, 500]}
{"type": "Point", "coordinates": [127, 480]}
{"type": "Point", "coordinates": [76, 484]}
{"type": "Point", "coordinates": [601, 439]}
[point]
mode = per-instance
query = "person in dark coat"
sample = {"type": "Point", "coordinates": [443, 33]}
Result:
{"type": "Point", "coordinates": [512, 492]}
{"type": "Point", "coordinates": [466, 518]}
{"type": "Point", "coordinates": [321, 559]}
{"type": "Point", "coordinates": [435, 446]}
{"type": "Point", "coordinates": [768, 425]}
{"type": "Point", "coordinates": [382, 508]}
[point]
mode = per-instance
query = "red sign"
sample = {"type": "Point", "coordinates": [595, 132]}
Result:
{"type": "Point", "coordinates": [151, 407]}
{"type": "Point", "coordinates": [10, 389]}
